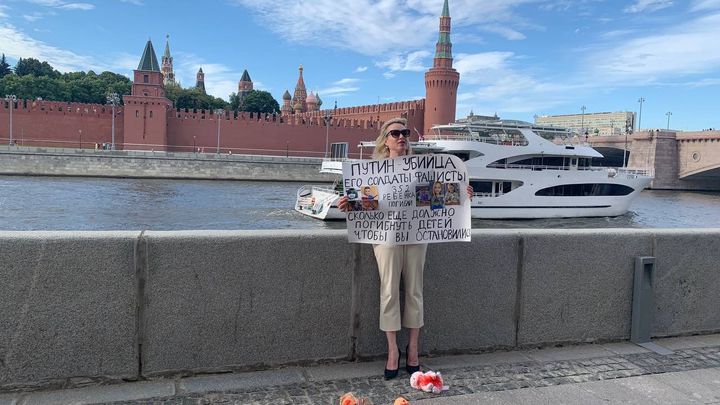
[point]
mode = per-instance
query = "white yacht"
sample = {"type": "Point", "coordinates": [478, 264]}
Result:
{"type": "Point", "coordinates": [521, 170]}
{"type": "Point", "coordinates": [318, 201]}
{"type": "Point", "coordinates": [517, 169]}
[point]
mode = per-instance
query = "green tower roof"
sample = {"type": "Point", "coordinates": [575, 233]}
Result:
{"type": "Point", "coordinates": [149, 60]}
{"type": "Point", "coordinates": [446, 9]}
{"type": "Point", "coordinates": [167, 47]}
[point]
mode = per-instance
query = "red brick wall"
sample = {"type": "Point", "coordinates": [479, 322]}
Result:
{"type": "Point", "coordinates": [57, 124]}
{"type": "Point", "coordinates": [250, 136]}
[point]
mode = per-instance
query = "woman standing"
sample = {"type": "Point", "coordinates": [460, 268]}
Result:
{"type": "Point", "coordinates": [396, 261]}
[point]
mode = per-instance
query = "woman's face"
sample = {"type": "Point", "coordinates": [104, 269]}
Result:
{"type": "Point", "coordinates": [437, 188]}
{"type": "Point", "coordinates": [451, 188]}
{"type": "Point", "coordinates": [397, 146]}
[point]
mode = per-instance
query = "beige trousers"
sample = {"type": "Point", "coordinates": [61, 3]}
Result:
{"type": "Point", "coordinates": [406, 261]}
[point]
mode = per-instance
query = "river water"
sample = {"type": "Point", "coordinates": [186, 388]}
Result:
{"type": "Point", "coordinates": [66, 203]}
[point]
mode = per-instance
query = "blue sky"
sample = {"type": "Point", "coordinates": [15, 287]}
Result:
{"type": "Point", "coordinates": [517, 58]}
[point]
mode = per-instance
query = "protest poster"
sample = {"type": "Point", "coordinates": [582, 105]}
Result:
{"type": "Point", "coordinates": [406, 200]}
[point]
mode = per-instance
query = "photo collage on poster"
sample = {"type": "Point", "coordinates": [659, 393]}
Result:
{"type": "Point", "coordinates": [435, 195]}
{"type": "Point", "coordinates": [364, 199]}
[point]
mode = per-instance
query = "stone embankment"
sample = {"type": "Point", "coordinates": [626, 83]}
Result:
{"type": "Point", "coordinates": [79, 307]}
{"type": "Point", "coordinates": [163, 165]}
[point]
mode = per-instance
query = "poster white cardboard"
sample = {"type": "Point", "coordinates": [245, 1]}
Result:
{"type": "Point", "coordinates": [406, 200]}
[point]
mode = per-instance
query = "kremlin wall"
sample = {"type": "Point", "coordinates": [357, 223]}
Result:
{"type": "Point", "coordinates": [148, 121]}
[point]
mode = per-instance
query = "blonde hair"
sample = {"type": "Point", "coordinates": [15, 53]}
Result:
{"type": "Point", "coordinates": [381, 150]}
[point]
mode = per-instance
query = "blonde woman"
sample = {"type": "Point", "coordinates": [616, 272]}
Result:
{"type": "Point", "coordinates": [394, 262]}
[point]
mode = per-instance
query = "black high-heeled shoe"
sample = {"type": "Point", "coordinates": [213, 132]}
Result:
{"type": "Point", "coordinates": [410, 369]}
{"type": "Point", "coordinates": [390, 374]}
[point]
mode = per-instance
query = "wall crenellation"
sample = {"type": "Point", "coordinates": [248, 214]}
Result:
{"type": "Point", "coordinates": [27, 106]}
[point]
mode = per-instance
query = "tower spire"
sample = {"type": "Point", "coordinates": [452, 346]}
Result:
{"type": "Point", "coordinates": [441, 81]}
{"type": "Point", "coordinates": [300, 95]}
{"type": "Point", "coordinates": [148, 62]}
{"type": "Point", "coordinates": [167, 64]}
{"type": "Point", "coordinates": [443, 48]}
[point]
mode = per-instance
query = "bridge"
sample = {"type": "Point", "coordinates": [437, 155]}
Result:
{"type": "Point", "coordinates": [679, 160]}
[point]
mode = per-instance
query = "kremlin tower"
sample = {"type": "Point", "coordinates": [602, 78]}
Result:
{"type": "Point", "coordinates": [200, 82]}
{"type": "Point", "coordinates": [167, 65]}
{"type": "Point", "coordinates": [441, 81]}
{"type": "Point", "coordinates": [245, 86]}
{"type": "Point", "coordinates": [145, 113]}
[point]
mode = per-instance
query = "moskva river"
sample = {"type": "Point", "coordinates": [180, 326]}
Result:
{"type": "Point", "coordinates": [65, 203]}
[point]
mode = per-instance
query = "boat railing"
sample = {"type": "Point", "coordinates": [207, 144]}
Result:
{"type": "Point", "coordinates": [635, 172]}
{"type": "Point", "coordinates": [542, 167]}
{"type": "Point", "coordinates": [326, 189]}
{"type": "Point", "coordinates": [486, 195]}
{"type": "Point", "coordinates": [474, 138]}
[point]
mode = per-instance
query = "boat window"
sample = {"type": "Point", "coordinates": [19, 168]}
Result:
{"type": "Point", "coordinates": [585, 190]}
{"type": "Point", "coordinates": [542, 161]}
{"type": "Point", "coordinates": [494, 188]}
{"type": "Point", "coordinates": [463, 156]}
{"type": "Point", "coordinates": [482, 186]}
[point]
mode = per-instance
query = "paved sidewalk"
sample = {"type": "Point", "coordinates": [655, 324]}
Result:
{"type": "Point", "coordinates": [588, 374]}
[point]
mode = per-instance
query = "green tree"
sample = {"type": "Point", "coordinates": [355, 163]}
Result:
{"type": "Point", "coordinates": [193, 98]}
{"type": "Point", "coordinates": [4, 67]}
{"type": "Point", "coordinates": [34, 67]}
{"type": "Point", "coordinates": [234, 102]}
{"type": "Point", "coordinates": [260, 102]}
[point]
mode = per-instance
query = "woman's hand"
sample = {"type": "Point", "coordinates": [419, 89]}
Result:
{"type": "Point", "coordinates": [470, 191]}
{"type": "Point", "coordinates": [343, 204]}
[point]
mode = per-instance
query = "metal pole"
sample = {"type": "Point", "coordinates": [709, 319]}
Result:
{"type": "Point", "coordinates": [625, 150]}
{"type": "Point", "coordinates": [112, 141]}
{"type": "Point", "coordinates": [328, 117]}
{"type": "Point", "coordinates": [640, 100]}
{"type": "Point", "coordinates": [582, 120]}
{"type": "Point", "coordinates": [12, 107]}
{"type": "Point", "coordinates": [218, 113]}
{"type": "Point", "coordinates": [11, 98]}
{"type": "Point", "coordinates": [113, 99]}
{"type": "Point", "coordinates": [668, 115]}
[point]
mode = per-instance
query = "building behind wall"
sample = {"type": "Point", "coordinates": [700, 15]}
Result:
{"type": "Point", "coordinates": [601, 124]}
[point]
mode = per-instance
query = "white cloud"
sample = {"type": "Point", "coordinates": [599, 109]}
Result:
{"type": "Point", "coordinates": [63, 5]}
{"type": "Point", "coordinates": [340, 88]}
{"type": "Point", "coordinates": [373, 27]}
{"type": "Point", "coordinates": [702, 5]}
{"type": "Point", "coordinates": [220, 80]}
{"type": "Point", "coordinates": [361, 69]}
{"type": "Point", "coordinates": [33, 17]}
{"type": "Point", "coordinates": [135, 2]}
{"type": "Point", "coordinates": [345, 81]}
{"type": "Point", "coordinates": [622, 33]}
{"type": "Point", "coordinates": [675, 52]}
{"type": "Point", "coordinates": [47, 3]}
{"type": "Point", "coordinates": [409, 62]}
{"type": "Point", "coordinates": [77, 6]}
{"type": "Point", "coordinates": [3, 13]}
{"type": "Point", "coordinates": [337, 91]}
{"type": "Point", "coordinates": [505, 32]}
{"type": "Point", "coordinates": [648, 5]}
{"type": "Point", "coordinates": [17, 44]}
